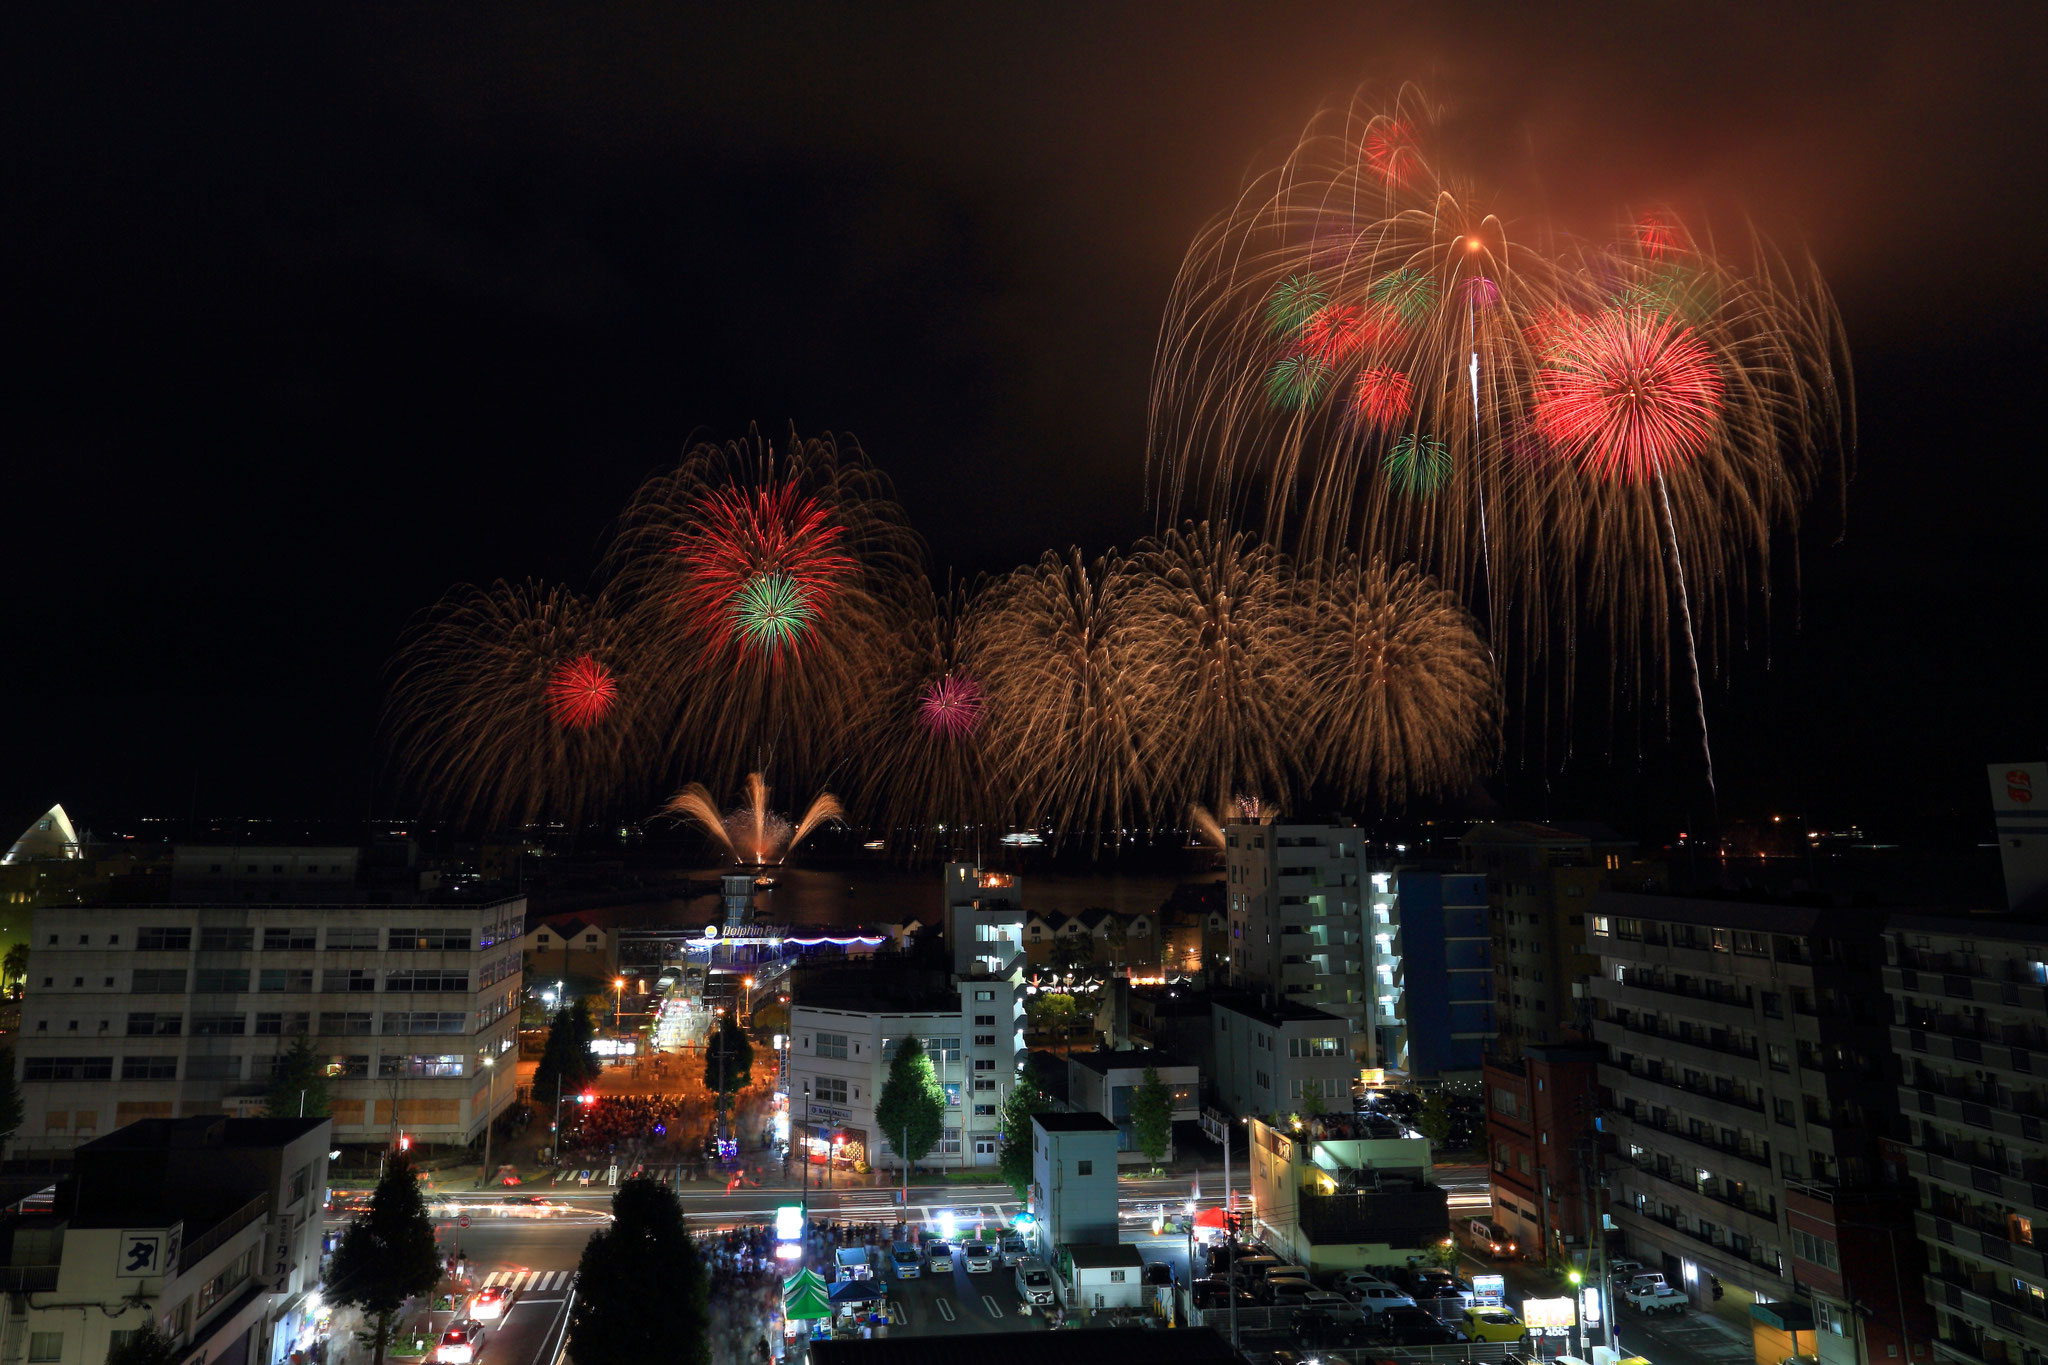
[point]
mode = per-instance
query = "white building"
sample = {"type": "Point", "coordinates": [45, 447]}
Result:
{"type": "Point", "coordinates": [1274, 1058]}
{"type": "Point", "coordinates": [209, 1227]}
{"type": "Point", "coordinates": [170, 1010]}
{"type": "Point", "coordinates": [1104, 1083]}
{"type": "Point", "coordinates": [1298, 927]}
{"type": "Point", "coordinates": [1073, 1182]}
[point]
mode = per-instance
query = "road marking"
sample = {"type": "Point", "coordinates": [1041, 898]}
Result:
{"type": "Point", "coordinates": [989, 1302]}
{"type": "Point", "coordinates": [945, 1309]}
{"type": "Point", "coordinates": [896, 1312]}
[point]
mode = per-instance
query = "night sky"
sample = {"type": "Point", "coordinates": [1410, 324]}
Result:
{"type": "Point", "coordinates": [316, 313]}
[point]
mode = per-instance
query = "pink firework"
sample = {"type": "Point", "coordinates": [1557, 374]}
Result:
{"type": "Point", "coordinates": [951, 706]}
{"type": "Point", "coordinates": [1381, 397]}
{"type": "Point", "coordinates": [1629, 395]}
{"type": "Point", "coordinates": [581, 692]}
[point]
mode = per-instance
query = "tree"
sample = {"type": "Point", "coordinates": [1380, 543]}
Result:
{"type": "Point", "coordinates": [566, 1055]}
{"type": "Point", "coordinates": [1434, 1122]}
{"type": "Point", "coordinates": [728, 1061]}
{"type": "Point", "coordinates": [299, 1087]}
{"type": "Point", "coordinates": [10, 1097]}
{"type": "Point", "coordinates": [1116, 936]}
{"type": "Point", "coordinates": [14, 967]}
{"type": "Point", "coordinates": [644, 1260]}
{"type": "Point", "coordinates": [1312, 1099]}
{"type": "Point", "coordinates": [387, 1255]}
{"type": "Point", "coordinates": [1073, 950]}
{"type": "Point", "coordinates": [1152, 1116]}
{"type": "Point", "coordinates": [1013, 1155]}
{"type": "Point", "coordinates": [144, 1346]}
{"type": "Point", "coordinates": [912, 1110]}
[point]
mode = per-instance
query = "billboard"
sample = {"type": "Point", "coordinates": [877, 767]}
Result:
{"type": "Point", "coordinates": [2019, 805]}
{"type": "Point", "coordinates": [1548, 1317]}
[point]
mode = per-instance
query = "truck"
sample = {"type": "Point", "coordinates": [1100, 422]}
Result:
{"type": "Point", "coordinates": [1656, 1298]}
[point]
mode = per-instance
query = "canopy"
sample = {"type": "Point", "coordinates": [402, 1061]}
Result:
{"type": "Point", "coordinates": [857, 1291]}
{"type": "Point", "coordinates": [803, 1296]}
{"type": "Point", "coordinates": [1212, 1218]}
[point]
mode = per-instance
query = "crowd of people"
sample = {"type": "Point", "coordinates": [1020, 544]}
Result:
{"type": "Point", "coordinates": [746, 1294]}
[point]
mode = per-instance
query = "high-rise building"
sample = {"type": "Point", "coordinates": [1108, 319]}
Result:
{"type": "Point", "coordinates": [1745, 1052]}
{"type": "Point", "coordinates": [1446, 970]}
{"type": "Point", "coordinates": [186, 1006]}
{"type": "Point", "coordinates": [1298, 930]}
{"type": "Point", "coordinates": [1540, 1109]}
{"type": "Point", "coordinates": [2019, 804]}
{"type": "Point", "coordinates": [1969, 1005]}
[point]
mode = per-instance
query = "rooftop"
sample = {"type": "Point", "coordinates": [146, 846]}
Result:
{"type": "Point", "coordinates": [1271, 1010]}
{"type": "Point", "coordinates": [1103, 1061]}
{"type": "Point", "coordinates": [1087, 1256]}
{"type": "Point", "coordinates": [1169, 1347]}
{"type": "Point", "coordinates": [201, 1130]}
{"type": "Point", "coordinates": [1073, 1123]}
{"type": "Point", "coordinates": [1765, 914]}
{"type": "Point", "coordinates": [875, 986]}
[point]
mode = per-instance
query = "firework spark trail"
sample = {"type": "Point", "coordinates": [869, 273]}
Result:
{"type": "Point", "coordinates": [753, 834]}
{"type": "Point", "coordinates": [1691, 648]}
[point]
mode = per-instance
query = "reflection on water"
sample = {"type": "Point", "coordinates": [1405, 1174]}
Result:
{"type": "Point", "coordinates": [844, 894]}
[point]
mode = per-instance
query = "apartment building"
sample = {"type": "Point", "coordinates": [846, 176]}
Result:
{"type": "Point", "coordinates": [1274, 1057]}
{"type": "Point", "coordinates": [1969, 1007]}
{"type": "Point", "coordinates": [1296, 906]}
{"type": "Point", "coordinates": [1446, 971]}
{"type": "Point", "coordinates": [1745, 1049]}
{"type": "Point", "coordinates": [1540, 1108]}
{"type": "Point", "coordinates": [184, 1007]}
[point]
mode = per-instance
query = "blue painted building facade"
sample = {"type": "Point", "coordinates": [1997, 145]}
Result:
{"type": "Point", "coordinates": [1447, 964]}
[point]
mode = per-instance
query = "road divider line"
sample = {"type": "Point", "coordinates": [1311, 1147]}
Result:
{"type": "Point", "coordinates": [945, 1309]}
{"type": "Point", "coordinates": [989, 1301]}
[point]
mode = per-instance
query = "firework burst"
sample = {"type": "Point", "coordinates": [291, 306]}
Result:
{"type": "Point", "coordinates": [753, 834]}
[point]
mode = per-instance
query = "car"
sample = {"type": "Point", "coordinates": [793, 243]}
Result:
{"type": "Point", "coordinates": [938, 1257]}
{"type": "Point", "coordinates": [1411, 1326]}
{"type": "Point", "coordinates": [905, 1261]}
{"type": "Point", "coordinates": [1493, 1324]}
{"type": "Point", "coordinates": [1657, 1298]}
{"type": "Point", "coordinates": [489, 1303]}
{"type": "Point", "coordinates": [1323, 1328]}
{"type": "Point", "coordinates": [1344, 1281]}
{"type": "Point", "coordinates": [1279, 1276]}
{"type": "Point", "coordinates": [1623, 1268]}
{"type": "Point", "coordinates": [1252, 1269]}
{"type": "Point", "coordinates": [460, 1344]}
{"type": "Point", "coordinates": [1158, 1272]}
{"type": "Point", "coordinates": [1034, 1281]}
{"type": "Point", "coordinates": [1371, 1299]}
{"type": "Point", "coordinates": [1013, 1248]}
{"type": "Point", "coordinates": [1336, 1304]}
{"type": "Point", "coordinates": [980, 1258]}
{"type": "Point", "coordinates": [1287, 1292]}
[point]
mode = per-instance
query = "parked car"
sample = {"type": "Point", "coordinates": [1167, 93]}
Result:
{"type": "Point", "coordinates": [1251, 1269]}
{"type": "Point", "coordinates": [1493, 1324]}
{"type": "Point", "coordinates": [979, 1257]}
{"type": "Point", "coordinates": [1657, 1298]}
{"type": "Point", "coordinates": [1411, 1326]}
{"type": "Point", "coordinates": [938, 1257]}
{"type": "Point", "coordinates": [1158, 1272]}
{"type": "Point", "coordinates": [1034, 1281]}
{"type": "Point", "coordinates": [1214, 1293]}
{"type": "Point", "coordinates": [1373, 1299]}
{"type": "Point", "coordinates": [1649, 1279]}
{"type": "Point", "coordinates": [906, 1261]}
{"type": "Point", "coordinates": [1623, 1268]}
{"type": "Point", "coordinates": [1323, 1328]}
{"type": "Point", "coordinates": [1287, 1292]}
{"type": "Point", "coordinates": [1344, 1281]}
{"type": "Point", "coordinates": [1013, 1249]}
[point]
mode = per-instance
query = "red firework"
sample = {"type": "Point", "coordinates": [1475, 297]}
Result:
{"type": "Point", "coordinates": [581, 692]}
{"type": "Point", "coordinates": [740, 534]}
{"type": "Point", "coordinates": [1381, 397]}
{"type": "Point", "coordinates": [951, 706]}
{"type": "Point", "coordinates": [1628, 395]}
{"type": "Point", "coordinates": [1391, 152]}
{"type": "Point", "coordinates": [1657, 236]}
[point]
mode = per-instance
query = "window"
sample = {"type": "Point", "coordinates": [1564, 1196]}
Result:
{"type": "Point", "coordinates": [45, 1345]}
{"type": "Point", "coordinates": [1602, 926]}
{"type": "Point", "coordinates": [1117, 1276]}
{"type": "Point", "coordinates": [163, 940]}
{"type": "Point", "coordinates": [1774, 1005]}
{"type": "Point", "coordinates": [288, 980]}
{"type": "Point", "coordinates": [149, 1024]}
{"type": "Point", "coordinates": [226, 940]}
{"type": "Point", "coordinates": [1781, 1057]}
{"type": "Point", "coordinates": [346, 1023]}
{"type": "Point", "coordinates": [1312, 1047]}
{"type": "Point", "coordinates": [984, 1085]}
{"type": "Point", "coordinates": [431, 940]}
{"type": "Point", "coordinates": [1826, 1317]}
{"type": "Point", "coordinates": [984, 1021]}
{"type": "Point", "coordinates": [984, 995]}
{"type": "Point", "coordinates": [427, 980]}
{"type": "Point", "coordinates": [1084, 1168]}
{"type": "Point", "coordinates": [1783, 1108]}
{"type": "Point", "coordinates": [280, 1025]}
{"type": "Point", "coordinates": [213, 1068]}
{"type": "Point", "coordinates": [68, 1069]}
{"type": "Point", "coordinates": [356, 1065]}
{"type": "Point", "coordinates": [354, 938]}
{"type": "Point", "coordinates": [1816, 1250]}
{"type": "Point", "coordinates": [447, 1064]}
{"type": "Point", "coordinates": [302, 1181]}
{"type": "Point", "coordinates": [832, 1045]}
{"type": "Point", "coordinates": [984, 1040]}
{"type": "Point", "coordinates": [149, 1068]}
{"type": "Point", "coordinates": [155, 981]}
{"type": "Point", "coordinates": [984, 1111]}
{"type": "Point", "coordinates": [296, 940]}
{"type": "Point", "coordinates": [220, 981]}
{"type": "Point", "coordinates": [342, 980]}
{"type": "Point", "coordinates": [829, 1090]}
{"type": "Point", "coordinates": [984, 1064]}
{"type": "Point", "coordinates": [219, 1025]}
{"type": "Point", "coordinates": [426, 1021]}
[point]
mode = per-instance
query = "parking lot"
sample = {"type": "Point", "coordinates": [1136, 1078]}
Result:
{"type": "Point", "coordinates": [935, 1305]}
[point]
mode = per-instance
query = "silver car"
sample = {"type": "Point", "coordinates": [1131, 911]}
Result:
{"type": "Point", "coordinates": [979, 1256]}
{"type": "Point", "coordinates": [938, 1257]}
{"type": "Point", "coordinates": [1034, 1281]}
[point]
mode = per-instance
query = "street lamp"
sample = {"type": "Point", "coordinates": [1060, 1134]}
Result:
{"type": "Point", "coordinates": [1578, 1320]}
{"type": "Point", "coordinates": [490, 1105]}
{"type": "Point", "coordinates": [747, 1000]}
{"type": "Point", "coordinates": [618, 1000]}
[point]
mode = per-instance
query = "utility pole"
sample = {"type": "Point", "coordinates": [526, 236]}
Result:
{"type": "Point", "coordinates": [558, 1119]}
{"type": "Point", "coordinates": [490, 1106]}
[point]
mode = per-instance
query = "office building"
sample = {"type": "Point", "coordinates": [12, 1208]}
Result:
{"type": "Point", "coordinates": [207, 1227]}
{"type": "Point", "coordinates": [185, 1006]}
{"type": "Point", "coordinates": [1744, 1049]}
{"type": "Point", "coordinates": [1446, 970]}
{"type": "Point", "coordinates": [1969, 1022]}
{"type": "Point", "coordinates": [1272, 1057]}
{"type": "Point", "coordinates": [1296, 906]}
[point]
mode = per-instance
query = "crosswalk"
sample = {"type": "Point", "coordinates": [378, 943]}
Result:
{"type": "Point", "coordinates": [529, 1280]}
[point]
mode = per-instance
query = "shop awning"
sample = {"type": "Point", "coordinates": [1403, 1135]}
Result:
{"type": "Point", "coordinates": [858, 1291]}
{"type": "Point", "coordinates": [1786, 1316]}
{"type": "Point", "coordinates": [1212, 1218]}
{"type": "Point", "coordinates": [803, 1296]}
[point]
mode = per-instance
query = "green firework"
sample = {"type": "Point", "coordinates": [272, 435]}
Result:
{"type": "Point", "coordinates": [1296, 381]}
{"type": "Point", "coordinates": [1293, 302]}
{"type": "Point", "coordinates": [1418, 465]}
{"type": "Point", "coordinates": [1410, 293]}
{"type": "Point", "coordinates": [770, 611]}
{"type": "Point", "coordinates": [1676, 292]}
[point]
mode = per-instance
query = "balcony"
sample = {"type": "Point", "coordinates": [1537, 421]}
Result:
{"type": "Point", "coordinates": [1709, 1000]}
{"type": "Point", "coordinates": [1978, 987]}
{"type": "Point", "coordinates": [1970, 1173]}
{"type": "Point", "coordinates": [1701, 1147]}
{"type": "Point", "coordinates": [1972, 1107]}
{"type": "Point", "coordinates": [2020, 1317]}
{"type": "Point", "coordinates": [1712, 1049]}
{"type": "Point", "coordinates": [1760, 1218]}
{"type": "Point", "coordinates": [2010, 1048]}
{"type": "Point", "coordinates": [1660, 1084]}
{"type": "Point", "coordinates": [1743, 1266]}
{"type": "Point", "coordinates": [1973, 1238]}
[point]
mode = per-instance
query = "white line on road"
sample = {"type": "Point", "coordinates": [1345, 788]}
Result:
{"type": "Point", "coordinates": [989, 1302]}
{"type": "Point", "coordinates": [945, 1309]}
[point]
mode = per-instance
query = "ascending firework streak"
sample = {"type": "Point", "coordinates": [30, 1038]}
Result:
{"type": "Point", "coordinates": [1361, 353]}
{"type": "Point", "coordinates": [753, 834]}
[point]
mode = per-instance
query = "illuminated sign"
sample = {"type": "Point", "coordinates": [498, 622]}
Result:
{"type": "Point", "coordinates": [1589, 1305]}
{"type": "Point", "coordinates": [789, 1222]}
{"type": "Point", "coordinates": [1373, 1076]}
{"type": "Point", "coordinates": [1548, 1317]}
{"type": "Point", "coordinates": [1490, 1290]}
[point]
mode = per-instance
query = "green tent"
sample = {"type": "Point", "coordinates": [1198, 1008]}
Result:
{"type": "Point", "coordinates": [803, 1296]}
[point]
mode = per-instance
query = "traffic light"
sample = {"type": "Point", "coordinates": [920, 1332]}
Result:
{"type": "Point", "coordinates": [404, 1143]}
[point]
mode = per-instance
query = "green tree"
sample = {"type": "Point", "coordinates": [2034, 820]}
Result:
{"type": "Point", "coordinates": [299, 1086]}
{"type": "Point", "coordinates": [1434, 1122]}
{"type": "Point", "coordinates": [565, 1058]}
{"type": "Point", "coordinates": [1312, 1099]}
{"type": "Point", "coordinates": [145, 1346]}
{"type": "Point", "coordinates": [14, 967]}
{"type": "Point", "coordinates": [1013, 1155]}
{"type": "Point", "coordinates": [728, 1061]}
{"type": "Point", "coordinates": [10, 1097]}
{"type": "Point", "coordinates": [1116, 937]}
{"type": "Point", "coordinates": [1073, 950]}
{"type": "Point", "coordinates": [387, 1255]}
{"type": "Point", "coordinates": [912, 1110]}
{"type": "Point", "coordinates": [645, 1258]}
{"type": "Point", "coordinates": [1152, 1116]}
